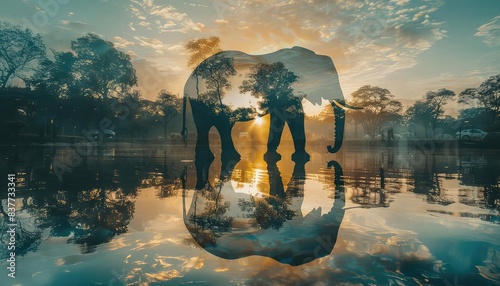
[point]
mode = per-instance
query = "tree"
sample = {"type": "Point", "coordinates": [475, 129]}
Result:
{"type": "Point", "coordinates": [428, 111]}
{"type": "Point", "coordinates": [420, 113]}
{"type": "Point", "coordinates": [101, 69]}
{"type": "Point", "coordinates": [201, 49]}
{"type": "Point", "coordinates": [437, 100]}
{"type": "Point", "coordinates": [325, 115]}
{"type": "Point", "coordinates": [272, 84]}
{"type": "Point", "coordinates": [167, 107]}
{"type": "Point", "coordinates": [216, 72]}
{"type": "Point", "coordinates": [378, 106]}
{"type": "Point", "coordinates": [20, 51]}
{"type": "Point", "coordinates": [487, 95]}
{"type": "Point", "coordinates": [476, 117]}
{"type": "Point", "coordinates": [56, 77]}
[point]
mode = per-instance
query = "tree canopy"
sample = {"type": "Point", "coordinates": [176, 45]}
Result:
{"type": "Point", "coordinates": [20, 51]}
{"type": "Point", "coordinates": [486, 95]}
{"type": "Point", "coordinates": [101, 69]}
{"type": "Point", "coordinates": [378, 106]}
{"type": "Point", "coordinates": [272, 84]}
{"type": "Point", "coordinates": [167, 106]}
{"type": "Point", "coordinates": [201, 49]}
{"type": "Point", "coordinates": [216, 72]}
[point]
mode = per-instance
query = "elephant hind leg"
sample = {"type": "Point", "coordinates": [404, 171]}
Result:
{"type": "Point", "coordinates": [202, 149]}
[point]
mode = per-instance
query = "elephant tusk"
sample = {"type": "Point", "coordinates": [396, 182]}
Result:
{"type": "Point", "coordinates": [346, 106]}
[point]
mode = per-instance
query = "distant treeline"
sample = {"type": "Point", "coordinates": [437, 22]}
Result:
{"type": "Point", "coordinates": [48, 93]}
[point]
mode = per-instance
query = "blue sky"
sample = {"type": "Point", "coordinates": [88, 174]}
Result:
{"type": "Point", "coordinates": [406, 46]}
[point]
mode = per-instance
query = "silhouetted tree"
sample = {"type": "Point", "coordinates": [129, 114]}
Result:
{"type": "Point", "coordinates": [438, 99]}
{"type": "Point", "coordinates": [420, 113]}
{"type": "Point", "coordinates": [167, 106]}
{"type": "Point", "coordinates": [429, 110]}
{"type": "Point", "coordinates": [20, 52]}
{"type": "Point", "coordinates": [477, 117]}
{"type": "Point", "coordinates": [102, 70]}
{"type": "Point", "coordinates": [57, 77]}
{"type": "Point", "coordinates": [487, 95]}
{"type": "Point", "coordinates": [378, 106]}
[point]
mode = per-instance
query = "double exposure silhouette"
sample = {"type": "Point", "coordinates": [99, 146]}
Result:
{"type": "Point", "coordinates": [232, 86]}
{"type": "Point", "coordinates": [233, 225]}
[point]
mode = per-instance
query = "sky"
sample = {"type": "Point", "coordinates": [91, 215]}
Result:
{"type": "Point", "coordinates": [407, 46]}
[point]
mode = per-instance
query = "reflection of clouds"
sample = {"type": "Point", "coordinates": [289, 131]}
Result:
{"type": "Point", "coordinates": [161, 268]}
{"type": "Point", "coordinates": [382, 246]}
{"type": "Point", "coordinates": [162, 276]}
{"type": "Point", "coordinates": [193, 262]}
{"type": "Point", "coordinates": [117, 243]}
{"type": "Point", "coordinates": [492, 269]}
{"type": "Point", "coordinates": [157, 240]}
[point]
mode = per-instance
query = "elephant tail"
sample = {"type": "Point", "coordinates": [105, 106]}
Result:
{"type": "Point", "coordinates": [184, 132]}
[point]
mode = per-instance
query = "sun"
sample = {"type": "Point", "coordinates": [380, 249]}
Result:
{"type": "Point", "coordinates": [259, 120]}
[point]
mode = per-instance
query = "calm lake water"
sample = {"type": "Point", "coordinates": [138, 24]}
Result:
{"type": "Point", "coordinates": [129, 214]}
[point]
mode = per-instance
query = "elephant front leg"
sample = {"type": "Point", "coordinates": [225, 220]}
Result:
{"type": "Point", "coordinates": [274, 138]}
{"type": "Point", "coordinates": [229, 153]}
{"type": "Point", "coordinates": [296, 125]}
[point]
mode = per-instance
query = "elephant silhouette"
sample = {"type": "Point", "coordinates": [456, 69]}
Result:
{"type": "Point", "coordinates": [234, 225]}
{"type": "Point", "coordinates": [233, 86]}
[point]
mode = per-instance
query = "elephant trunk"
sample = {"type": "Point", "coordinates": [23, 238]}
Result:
{"type": "Point", "coordinates": [339, 114]}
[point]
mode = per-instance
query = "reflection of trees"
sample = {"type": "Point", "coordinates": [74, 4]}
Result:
{"type": "Point", "coordinates": [89, 206]}
{"type": "Point", "coordinates": [209, 221]}
{"type": "Point", "coordinates": [271, 225]}
{"type": "Point", "coordinates": [275, 210]}
{"type": "Point", "coordinates": [426, 182]}
{"type": "Point", "coordinates": [483, 172]}
{"type": "Point", "coordinates": [370, 197]}
{"type": "Point", "coordinates": [28, 235]}
{"type": "Point", "coordinates": [93, 204]}
{"type": "Point", "coordinates": [266, 213]}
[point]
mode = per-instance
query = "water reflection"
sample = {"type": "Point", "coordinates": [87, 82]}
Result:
{"type": "Point", "coordinates": [234, 225]}
{"type": "Point", "coordinates": [421, 217]}
{"type": "Point", "coordinates": [92, 204]}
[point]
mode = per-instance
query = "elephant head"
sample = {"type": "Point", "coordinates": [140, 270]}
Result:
{"type": "Point", "coordinates": [294, 80]}
{"type": "Point", "coordinates": [232, 225]}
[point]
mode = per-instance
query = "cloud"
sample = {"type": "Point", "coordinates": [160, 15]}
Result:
{"type": "Point", "coordinates": [152, 43]}
{"type": "Point", "coordinates": [74, 25]}
{"type": "Point", "coordinates": [490, 32]}
{"type": "Point", "coordinates": [120, 42]}
{"type": "Point", "coordinates": [157, 45]}
{"type": "Point", "coordinates": [366, 39]}
{"type": "Point", "coordinates": [176, 21]}
{"type": "Point", "coordinates": [400, 2]}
